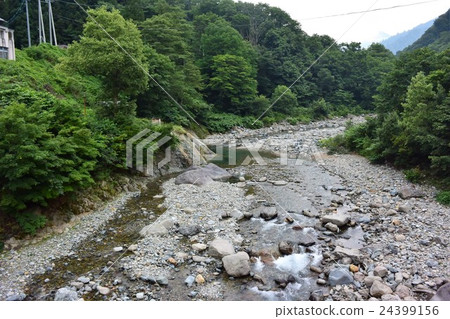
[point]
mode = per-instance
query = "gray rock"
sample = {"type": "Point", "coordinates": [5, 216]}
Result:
{"type": "Point", "coordinates": [279, 183]}
{"type": "Point", "coordinates": [140, 296]}
{"type": "Point", "coordinates": [189, 230]}
{"type": "Point", "coordinates": [443, 293]}
{"type": "Point", "coordinates": [237, 265]}
{"type": "Point", "coordinates": [103, 290]}
{"type": "Point", "coordinates": [402, 291]}
{"type": "Point", "coordinates": [404, 209]}
{"type": "Point", "coordinates": [286, 248]}
{"type": "Point", "coordinates": [379, 289]}
{"type": "Point", "coordinates": [310, 214]}
{"type": "Point", "coordinates": [163, 281]}
{"type": "Point", "coordinates": [149, 279]}
{"type": "Point", "coordinates": [340, 276]}
{"type": "Point", "coordinates": [332, 227]}
{"type": "Point", "coordinates": [369, 280]}
{"type": "Point", "coordinates": [117, 249]}
{"type": "Point", "coordinates": [202, 175]}
{"type": "Point", "coordinates": [17, 297]}
{"type": "Point", "coordinates": [268, 213]}
{"type": "Point", "coordinates": [189, 281]}
{"type": "Point", "coordinates": [84, 280]}
{"type": "Point", "coordinates": [380, 271]}
{"type": "Point", "coordinates": [66, 294]}
{"type": "Point", "coordinates": [153, 230]}
{"type": "Point", "coordinates": [199, 247]}
{"type": "Point", "coordinates": [220, 247]}
{"type": "Point", "coordinates": [77, 284]}
{"type": "Point", "coordinates": [352, 253]}
{"type": "Point", "coordinates": [410, 192]}
{"type": "Point", "coordinates": [307, 241]}
{"type": "Point", "coordinates": [337, 219]}
{"type": "Point", "coordinates": [390, 297]}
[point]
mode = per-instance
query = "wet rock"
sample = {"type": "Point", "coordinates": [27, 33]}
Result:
{"type": "Point", "coordinates": [380, 271]}
{"type": "Point", "coordinates": [189, 281]}
{"type": "Point", "coordinates": [332, 227]}
{"type": "Point", "coordinates": [202, 175]}
{"type": "Point", "coordinates": [310, 214]}
{"type": "Point", "coordinates": [189, 230]}
{"type": "Point", "coordinates": [337, 219]}
{"type": "Point", "coordinates": [199, 247]}
{"type": "Point", "coordinates": [66, 294]}
{"type": "Point", "coordinates": [307, 241]}
{"type": "Point", "coordinates": [315, 269]}
{"type": "Point", "coordinates": [153, 230]}
{"type": "Point", "coordinates": [103, 290]}
{"type": "Point", "coordinates": [220, 247]}
{"type": "Point", "coordinates": [339, 276]}
{"type": "Point", "coordinates": [402, 291]}
{"type": "Point", "coordinates": [379, 289]}
{"type": "Point", "coordinates": [410, 192]}
{"type": "Point", "coordinates": [286, 248]}
{"type": "Point", "coordinates": [268, 213]}
{"type": "Point", "coordinates": [237, 265]}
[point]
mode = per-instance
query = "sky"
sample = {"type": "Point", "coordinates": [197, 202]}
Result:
{"type": "Point", "coordinates": [371, 27]}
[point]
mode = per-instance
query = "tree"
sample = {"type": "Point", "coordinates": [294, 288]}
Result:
{"type": "Point", "coordinates": [232, 86]}
{"type": "Point", "coordinates": [285, 100]}
{"type": "Point", "coordinates": [98, 55]}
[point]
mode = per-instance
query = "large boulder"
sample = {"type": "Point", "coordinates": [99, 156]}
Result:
{"type": "Point", "coordinates": [220, 247]}
{"type": "Point", "coordinates": [237, 265]}
{"type": "Point", "coordinates": [443, 293]}
{"type": "Point", "coordinates": [66, 294]}
{"type": "Point", "coordinates": [202, 175]}
{"type": "Point", "coordinates": [268, 213]}
{"type": "Point", "coordinates": [337, 219]}
{"type": "Point", "coordinates": [410, 192]}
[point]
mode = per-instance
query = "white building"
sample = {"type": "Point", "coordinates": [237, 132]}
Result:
{"type": "Point", "coordinates": [7, 48]}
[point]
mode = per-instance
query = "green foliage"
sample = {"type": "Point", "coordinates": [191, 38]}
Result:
{"type": "Point", "coordinates": [98, 55]}
{"type": "Point", "coordinates": [223, 122]}
{"type": "Point", "coordinates": [443, 197]}
{"type": "Point", "coordinates": [30, 222]}
{"type": "Point", "coordinates": [286, 100]}
{"type": "Point", "coordinates": [413, 175]}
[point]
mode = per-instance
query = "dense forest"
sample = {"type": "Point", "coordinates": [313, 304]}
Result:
{"type": "Point", "coordinates": [207, 65]}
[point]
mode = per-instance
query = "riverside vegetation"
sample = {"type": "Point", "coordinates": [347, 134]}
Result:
{"type": "Point", "coordinates": [65, 115]}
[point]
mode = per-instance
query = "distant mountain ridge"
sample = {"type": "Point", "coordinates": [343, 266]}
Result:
{"type": "Point", "coordinates": [437, 37]}
{"type": "Point", "coordinates": [402, 40]}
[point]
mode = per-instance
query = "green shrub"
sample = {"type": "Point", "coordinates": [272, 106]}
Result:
{"type": "Point", "coordinates": [30, 222]}
{"type": "Point", "coordinates": [413, 175]}
{"type": "Point", "coordinates": [443, 197]}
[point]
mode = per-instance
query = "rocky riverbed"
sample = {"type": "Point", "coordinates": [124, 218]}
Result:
{"type": "Point", "coordinates": [301, 225]}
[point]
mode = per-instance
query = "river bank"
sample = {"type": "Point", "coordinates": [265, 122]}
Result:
{"type": "Point", "coordinates": [306, 227]}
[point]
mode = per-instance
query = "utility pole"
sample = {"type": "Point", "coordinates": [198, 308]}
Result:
{"type": "Point", "coordinates": [51, 24]}
{"type": "Point", "coordinates": [41, 24]}
{"type": "Point", "coordinates": [28, 23]}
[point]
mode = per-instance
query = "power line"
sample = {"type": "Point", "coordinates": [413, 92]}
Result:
{"type": "Point", "coordinates": [366, 11]}
{"type": "Point", "coordinates": [16, 14]}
